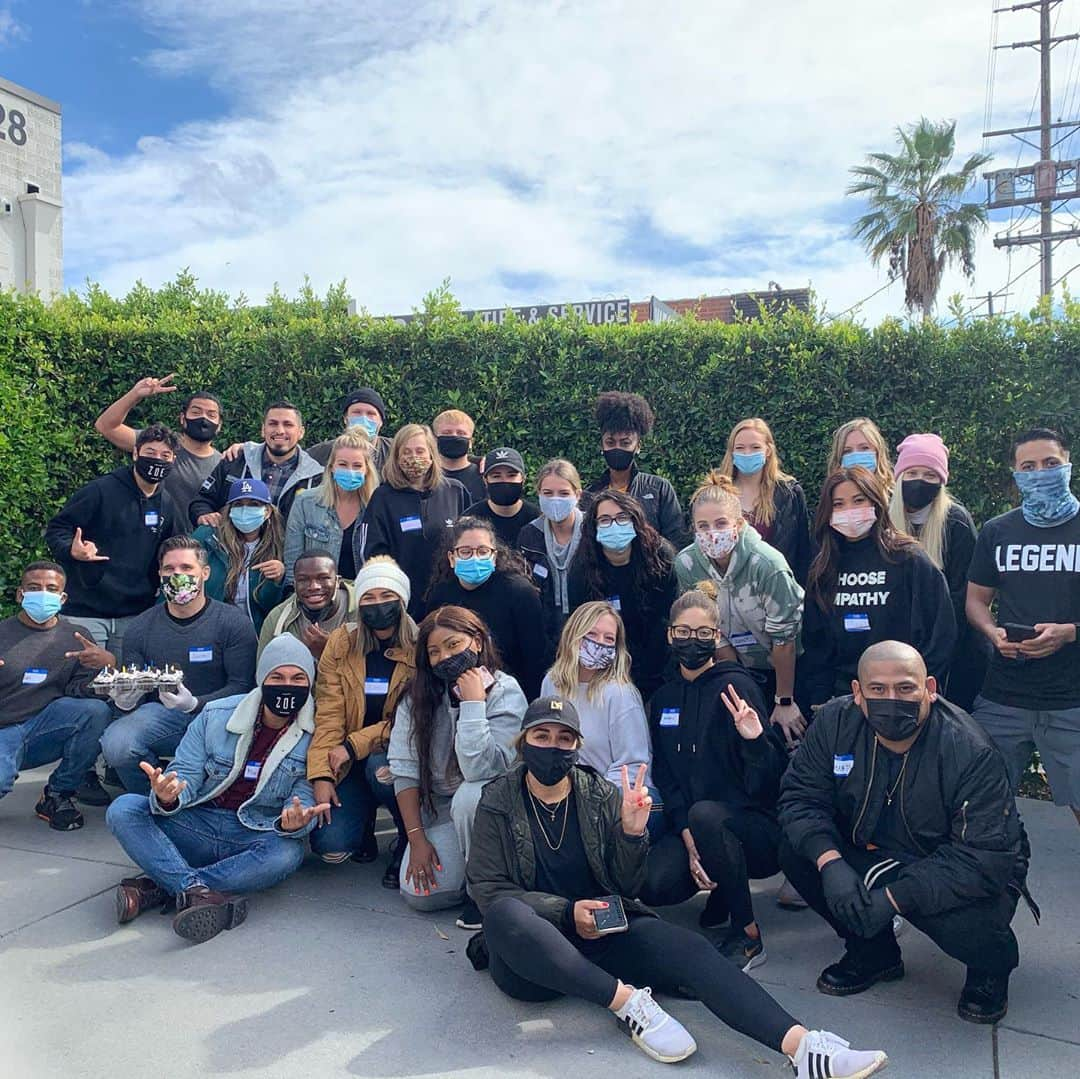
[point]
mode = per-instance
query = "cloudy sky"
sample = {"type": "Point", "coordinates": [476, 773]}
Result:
{"type": "Point", "coordinates": [529, 151]}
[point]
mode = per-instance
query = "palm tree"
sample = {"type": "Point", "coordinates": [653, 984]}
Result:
{"type": "Point", "coordinates": [917, 218]}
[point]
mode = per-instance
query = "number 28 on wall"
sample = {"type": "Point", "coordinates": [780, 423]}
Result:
{"type": "Point", "coordinates": [16, 126]}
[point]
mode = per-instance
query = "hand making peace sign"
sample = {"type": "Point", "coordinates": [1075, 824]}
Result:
{"type": "Point", "coordinates": [747, 722]}
{"type": "Point", "coordinates": [637, 802]}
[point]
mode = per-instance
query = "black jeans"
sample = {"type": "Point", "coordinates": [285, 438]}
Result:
{"type": "Point", "coordinates": [531, 959]}
{"type": "Point", "coordinates": [978, 935]}
{"type": "Point", "coordinates": [735, 846]}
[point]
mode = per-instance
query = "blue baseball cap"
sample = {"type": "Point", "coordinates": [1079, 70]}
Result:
{"type": "Point", "coordinates": [249, 487]}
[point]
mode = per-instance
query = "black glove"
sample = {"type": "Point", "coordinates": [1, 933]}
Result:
{"type": "Point", "coordinates": [845, 893]}
{"type": "Point", "coordinates": [877, 916]}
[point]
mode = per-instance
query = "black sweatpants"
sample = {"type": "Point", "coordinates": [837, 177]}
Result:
{"type": "Point", "coordinates": [735, 846]}
{"type": "Point", "coordinates": [531, 959]}
{"type": "Point", "coordinates": [978, 935]}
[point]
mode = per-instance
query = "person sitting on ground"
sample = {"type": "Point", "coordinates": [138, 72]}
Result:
{"type": "Point", "coordinates": [230, 815]}
{"type": "Point", "coordinates": [503, 507]}
{"type": "Point", "coordinates": [211, 642]}
{"type": "Point", "coordinates": [364, 672]}
{"type": "Point", "coordinates": [364, 410]}
{"type": "Point", "coordinates": [452, 733]}
{"type": "Point", "coordinates": [107, 536]}
{"type": "Point", "coordinates": [47, 712]}
{"type": "Point", "coordinates": [898, 803]}
{"type": "Point", "coordinates": [321, 603]}
{"type": "Point", "coordinates": [453, 431]}
{"type": "Point", "coordinates": [557, 851]}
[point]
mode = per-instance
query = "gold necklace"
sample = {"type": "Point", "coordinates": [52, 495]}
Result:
{"type": "Point", "coordinates": [543, 831]}
{"type": "Point", "coordinates": [889, 795]}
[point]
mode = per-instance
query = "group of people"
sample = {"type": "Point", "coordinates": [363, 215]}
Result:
{"type": "Point", "coordinates": [574, 709]}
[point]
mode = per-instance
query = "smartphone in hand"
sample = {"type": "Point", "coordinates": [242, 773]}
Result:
{"type": "Point", "coordinates": [1016, 632]}
{"type": "Point", "coordinates": [487, 677]}
{"type": "Point", "coordinates": [612, 919]}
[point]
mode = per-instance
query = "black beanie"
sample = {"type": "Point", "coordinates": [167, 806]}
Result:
{"type": "Point", "coordinates": [367, 396]}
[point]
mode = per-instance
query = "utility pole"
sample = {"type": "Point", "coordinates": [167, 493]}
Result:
{"type": "Point", "coordinates": [1047, 181]}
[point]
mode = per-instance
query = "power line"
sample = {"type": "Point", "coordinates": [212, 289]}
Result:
{"type": "Point", "coordinates": [888, 284]}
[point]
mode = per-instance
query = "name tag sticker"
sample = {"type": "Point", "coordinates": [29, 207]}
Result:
{"type": "Point", "coordinates": [540, 571]}
{"type": "Point", "coordinates": [376, 687]}
{"type": "Point", "coordinates": [151, 518]}
{"type": "Point", "coordinates": [842, 764]}
{"type": "Point", "coordinates": [201, 654]}
{"type": "Point", "coordinates": [857, 623]}
{"type": "Point", "coordinates": [34, 676]}
{"type": "Point", "coordinates": [669, 717]}
{"type": "Point", "coordinates": [410, 524]}
{"type": "Point", "coordinates": [252, 769]}
{"type": "Point", "coordinates": [743, 641]}
{"type": "Point", "coordinates": [615, 602]}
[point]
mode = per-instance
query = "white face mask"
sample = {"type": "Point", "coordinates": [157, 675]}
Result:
{"type": "Point", "coordinates": [716, 542]}
{"type": "Point", "coordinates": [855, 523]}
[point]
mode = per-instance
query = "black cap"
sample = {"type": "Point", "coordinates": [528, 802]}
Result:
{"type": "Point", "coordinates": [551, 710]}
{"type": "Point", "coordinates": [504, 455]}
{"type": "Point", "coordinates": [367, 396]}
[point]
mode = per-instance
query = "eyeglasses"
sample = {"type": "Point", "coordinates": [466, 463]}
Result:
{"type": "Point", "coordinates": [605, 520]}
{"type": "Point", "coordinates": [703, 633]}
{"type": "Point", "coordinates": [469, 552]}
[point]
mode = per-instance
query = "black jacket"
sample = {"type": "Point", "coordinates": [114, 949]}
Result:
{"type": "Point", "coordinates": [697, 753]}
{"type": "Point", "coordinates": [791, 529]}
{"type": "Point", "coordinates": [113, 513]}
{"type": "Point", "coordinates": [966, 839]}
{"type": "Point", "coordinates": [658, 499]}
{"type": "Point", "coordinates": [534, 549]}
{"type": "Point", "coordinates": [502, 858]}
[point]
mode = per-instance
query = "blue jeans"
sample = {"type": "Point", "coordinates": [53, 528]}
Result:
{"type": "Point", "coordinates": [149, 732]}
{"type": "Point", "coordinates": [201, 845]}
{"type": "Point", "coordinates": [67, 730]}
{"type": "Point", "coordinates": [361, 794]}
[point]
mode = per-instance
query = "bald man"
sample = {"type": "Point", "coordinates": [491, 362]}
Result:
{"type": "Point", "coordinates": [898, 803]}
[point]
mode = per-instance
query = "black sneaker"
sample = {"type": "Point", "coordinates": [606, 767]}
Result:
{"type": "Point", "coordinates": [59, 810]}
{"type": "Point", "coordinates": [855, 974]}
{"type": "Point", "coordinates": [745, 951]}
{"type": "Point", "coordinates": [392, 877]}
{"type": "Point", "coordinates": [715, 914]}
{"type": "Point", "coordinates": [985, 998]}
{"type": "Point", "coordinates": [470, 917]}
{"type": "Point", "coordinates": [91, 792]}
{"type": "Point", "coordinates": [369, 848]}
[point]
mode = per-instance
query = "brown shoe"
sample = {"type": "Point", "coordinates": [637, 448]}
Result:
{"type": "Point", "coordinates": [202, 914]}
{"type": "Point", "coordinates": [136, 894]}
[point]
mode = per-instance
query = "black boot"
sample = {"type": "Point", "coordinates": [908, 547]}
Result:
{"type": "Point", "coordinates": [392, 876]}
{"type": "Point", "coordinates": [859, 969]}
{"type": "Point", "coordinates": [985, 997]}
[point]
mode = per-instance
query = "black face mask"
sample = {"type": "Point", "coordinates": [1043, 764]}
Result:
{"type": "Point", "coordinates": [619, 460]}
{"type": "Point", "coordinates": [548, 764]}
{"type": "Point", "coordinates": [693, 654]}
{"type": "Point", "coordinates": [504, 493]}
{"type": "Point", "coordinates": [200, 429]}
{"type": "Point", "coordinates": [918, 494]}
{"type": "Point", "coordinates": [452, 446]}
{"type": "Point", "coordinates": [381, 615]}
{"type": "Point", "coordinates": [151, 469]}
{"type": "Point", "coordinates": [894, 720]}
{"type": "Point", "coordinates": [451, 669]}
{"type": "Point", "coordinates": [285, 700]}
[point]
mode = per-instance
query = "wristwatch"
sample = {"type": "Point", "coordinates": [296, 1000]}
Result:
{"type": "Point", "coordinates": [784, 702]}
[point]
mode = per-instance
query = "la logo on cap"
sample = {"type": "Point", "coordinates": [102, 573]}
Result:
{"type": "Point", "coordinates": [246, 487]}
{"type": "Point", "coordinates": [556, 705]}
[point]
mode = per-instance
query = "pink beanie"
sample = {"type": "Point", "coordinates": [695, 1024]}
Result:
{"type": "Point", "coordinates": [926, 450]}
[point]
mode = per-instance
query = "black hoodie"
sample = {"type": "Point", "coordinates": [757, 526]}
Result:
{"type": "Point", "coordinates": [699, 755]}
{"type": "Point", "coordinates": [128, 528]}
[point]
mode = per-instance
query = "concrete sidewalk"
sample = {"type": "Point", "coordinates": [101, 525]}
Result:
{"type": "Point", "coordinates": [333, 976]}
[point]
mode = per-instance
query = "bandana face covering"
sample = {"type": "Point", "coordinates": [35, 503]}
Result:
{"type": "Point", "coordinates": [1047, 500]}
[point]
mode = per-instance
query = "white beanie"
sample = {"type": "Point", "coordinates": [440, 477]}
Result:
{"type": "Point", "coordinates": [383, 572]}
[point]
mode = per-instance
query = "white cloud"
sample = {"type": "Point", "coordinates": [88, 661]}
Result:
{"type": "Point", "coordinates": [406, 143]}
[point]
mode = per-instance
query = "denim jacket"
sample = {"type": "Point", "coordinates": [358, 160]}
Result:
{"type": "Point", "coordinates": [213, 752]}
{"type": "Point", "coordinates": [311, 526]}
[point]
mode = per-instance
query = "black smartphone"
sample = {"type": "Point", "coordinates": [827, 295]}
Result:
{"type": "Point", "coordinates": [485, 674]}
{"type": "Point", "coordinates": [1016, 633]}
{"type": "Point", "coordinates": [612, 919]}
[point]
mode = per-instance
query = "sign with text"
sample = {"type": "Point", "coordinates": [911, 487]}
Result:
{"type": "Point", "coordinates": [595, 312]}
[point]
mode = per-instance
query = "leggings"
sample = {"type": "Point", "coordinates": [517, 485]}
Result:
{"type": "Point", "coordinates": [735, 845]}
{"type": "Point", "coordinates": [530, 959]}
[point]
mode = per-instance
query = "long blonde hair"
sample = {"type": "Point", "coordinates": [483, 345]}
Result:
{"type": "Point", "coordinates": [564, 671]}
{"type": "Point", "coordinates": [931, 535]}
{"type": "Point", "coordinates": [352, 439]}
{"type": "Point", "coordinates": [771, 472]}
{"type": "Point", "coordinates": [392, 471]}
{"type": "Point", "coordinates": [873, 435]}
{"type": "Point", "coordinates": [270, 545]}
{"type": "Point", "coordinates": [405, 638]}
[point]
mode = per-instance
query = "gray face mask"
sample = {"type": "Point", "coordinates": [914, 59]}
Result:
{"type": "Point", "coordinates": [594, 656]}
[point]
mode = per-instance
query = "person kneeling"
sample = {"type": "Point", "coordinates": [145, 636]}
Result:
{"type": "Point", "coordinates": [557, 855]}
{"type": "Point", "coordinates": [231, 815]}
{"type": "Point", "coordinates": [898, 803]}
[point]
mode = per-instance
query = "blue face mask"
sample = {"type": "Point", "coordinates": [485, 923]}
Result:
{"type": "Point", "coordinates": [615, 537]}
{"type": "Point", "coordinates": [474, 570]}
{"type": "Point", "coordinates": [749, 463]}
{"type": "Point", "coordinates": [247, 518]}
{"type": "Point", "coordinates": [556, 507]}
{"type": "Point", "coordinates": [348, 480]}
{"type": "Point", "coordinates": [855, 458]}
{"type": "Point", "coordinates": [1047, 500]}
{"type": "Point", "coordinates": [370, 426]}
{"type": "Point", "coordinates": [41, 606]}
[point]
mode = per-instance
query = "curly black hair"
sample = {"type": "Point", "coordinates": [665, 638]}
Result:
{"type": "Point", "coordinates": [616, 411]}
{"type": "Point", "coordinates": [506, 560]}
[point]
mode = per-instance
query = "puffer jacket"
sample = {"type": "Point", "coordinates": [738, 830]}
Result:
{"type": "Point", "coordinates": [502, 858]}
{"type": "Point", "coordinates": [966, 839]}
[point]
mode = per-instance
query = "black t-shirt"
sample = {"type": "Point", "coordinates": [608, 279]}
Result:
{"type": "Point", "coordinates": [346, 562]}
{"type": "Point", "coordinates": [469, 477]}
{"type": "Point", "coordinates": [890, 833]}
{"type": "Point", "coordinates": [377, 672]}
{"type": "Point", "coordinates": [564, 872]}
{"type": "Point", "coordinates": [1036, 572]}
{"type": "Point", "coordinates": [506, 528]}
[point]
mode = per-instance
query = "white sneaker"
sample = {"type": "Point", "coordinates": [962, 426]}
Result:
{"type": "Point", "coordinates": [655, 1032]}
{"type": "Point", "coordinates": [788, 898]}
{"type": "Point", "coordinates": [823, 1055]}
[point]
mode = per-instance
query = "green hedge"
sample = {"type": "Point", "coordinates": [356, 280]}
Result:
{"type": "Point", "coordinates": [530, 386]}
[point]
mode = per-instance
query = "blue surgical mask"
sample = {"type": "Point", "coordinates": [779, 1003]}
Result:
{"type": "Point", "coordinates": [749, 463]}
{"type": "Point", "coordinates": [41, 606]}
{"type": "Point", "coordinates": [247, 518]}
{"type": "Point", "coordinates": [557, 507]}
{"type": "Point", "coordinates": [474, 570]}
{"type": "Point", "coordinates": [855, 458]}
{"type": "Point", "coordinates": [370, 426]}
{"type": "Point", "coordinates": [615, 537]}
{"type": "Point", "coordinates": [348, 480]}
{"type": "Point", "coordinates": [1047, 500]}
